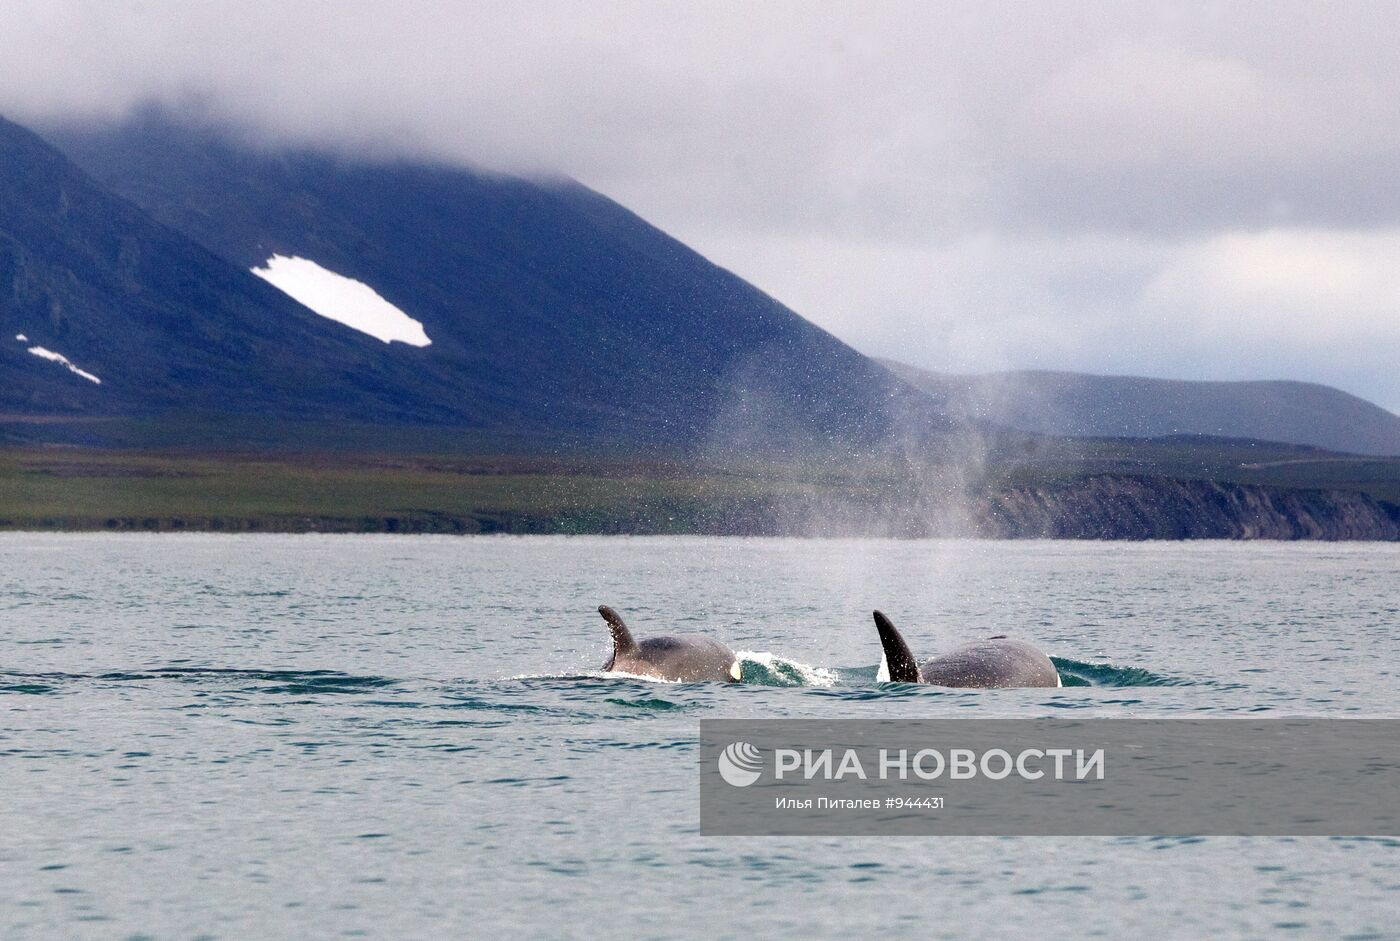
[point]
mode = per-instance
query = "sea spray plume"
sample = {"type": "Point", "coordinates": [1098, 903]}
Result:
{"type": "Point", "coordinates": [686, 657]}
{"type": "Point", "coordinates": [888, 465]}
{"type": "Point", "coordinates": [954, 488]}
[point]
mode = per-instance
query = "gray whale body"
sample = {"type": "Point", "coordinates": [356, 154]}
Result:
{"type": "Point", "coordinates": [688, 658]}
{"type": "Point", "coordinates": [997, 662]}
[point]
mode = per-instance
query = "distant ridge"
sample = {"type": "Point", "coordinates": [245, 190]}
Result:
{"type": "Point", "coordinates": [1083, 405]}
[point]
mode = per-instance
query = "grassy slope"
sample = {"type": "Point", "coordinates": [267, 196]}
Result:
{"type": "Point", "coordinates": [85, 488]}
{"type": "Point", "coordinates": [81, 489]}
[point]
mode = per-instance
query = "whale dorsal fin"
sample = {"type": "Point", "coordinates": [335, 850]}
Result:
{"type": "Point", "coordinates": [899, 658]}
{"type": "Point", "coordinates": [622, 637]}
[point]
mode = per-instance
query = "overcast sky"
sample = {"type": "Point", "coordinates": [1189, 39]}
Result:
{"type": "Point", "coordinates": [1184, 190]}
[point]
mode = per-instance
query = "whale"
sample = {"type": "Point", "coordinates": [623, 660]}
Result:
{"type": "Point", "coordinates": [688, 658]}
{"type": "Point", "coordinates": [997, 662]}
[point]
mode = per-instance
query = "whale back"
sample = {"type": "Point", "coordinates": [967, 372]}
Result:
{"type": "Point", "coordinates": [996, 662]}
{"type": "Point", "coordinates": [686, 658]}
{"type": "Point", "coordinates": [689, 658]}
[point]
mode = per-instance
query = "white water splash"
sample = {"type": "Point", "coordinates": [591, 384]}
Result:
{"type": "Point", "coordinates": [594, 675]}
{"type": "Point", "coordinates": [778, 668]}
{"type": "Point", "coordinates": [781, 667]}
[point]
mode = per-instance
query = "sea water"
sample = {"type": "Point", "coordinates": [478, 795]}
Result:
{"type": "Point", "coordinates": [409, 737]}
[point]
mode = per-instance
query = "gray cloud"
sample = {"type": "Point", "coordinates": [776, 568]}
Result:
{"type": "Point", "coordinates": [972, 186]}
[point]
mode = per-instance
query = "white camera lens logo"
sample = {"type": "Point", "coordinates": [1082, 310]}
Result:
{"type": "Point", "coordinates": [740, 764]}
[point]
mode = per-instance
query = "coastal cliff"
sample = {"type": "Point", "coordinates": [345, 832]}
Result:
{"type": "Point", "coordinates": [1139, 507]}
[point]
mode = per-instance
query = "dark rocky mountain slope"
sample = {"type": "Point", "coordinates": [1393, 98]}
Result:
{"type": "Point", "coordinates": [161, 321]}
{"type": "Point", "coordinates": [548, 305]}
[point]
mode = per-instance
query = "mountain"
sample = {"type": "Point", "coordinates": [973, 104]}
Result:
{"type": "Point", "coordinates": [104, 311]}
{"type": "Point", "coordinates": [547, 305]}
{"type": "Point", "coordinates": [171, 285]}
{"type": "Point", "coordinates": [1080, 405]}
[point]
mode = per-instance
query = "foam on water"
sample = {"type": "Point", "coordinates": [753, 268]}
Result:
{"type": "Point", "coordinates": [760, 668]}
{"type": "Point", "coordinates": [594, 675]}
{"type": "Point", "coordinates": [769, 669]}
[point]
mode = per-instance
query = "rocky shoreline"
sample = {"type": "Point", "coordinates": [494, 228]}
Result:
{"type": "Point", "coordinates": [1132, 507]}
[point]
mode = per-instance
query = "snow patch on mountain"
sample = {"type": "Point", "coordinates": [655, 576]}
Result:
{"type": "Point", "coordinates": [62, 360]}
{"type": "Point", "coordinates": [344, 300]}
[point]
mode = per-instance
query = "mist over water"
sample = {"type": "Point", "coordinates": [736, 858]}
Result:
{"type": "Point", "coordinates": [258, 736]}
